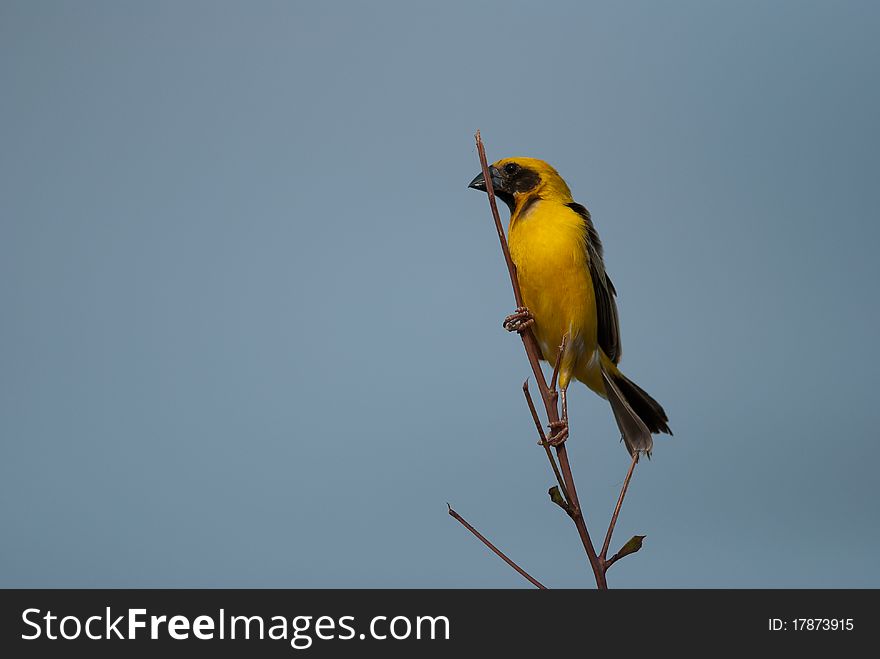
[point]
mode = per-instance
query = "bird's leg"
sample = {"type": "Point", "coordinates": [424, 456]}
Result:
{"type": "Point", "coordinates": [519, 320]}
{"type": "Point", "coordinates": [560, 428]}
{"type": "Point", "coordinates": [559, 355]}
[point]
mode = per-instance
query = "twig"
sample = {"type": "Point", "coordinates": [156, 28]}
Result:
{"type": "Point", "coordinates": [511, 268]}
{"type": "Point", "coordinates": [534, 354]}
{"type": "Point", "coordinates": [543, 438]}
{"type": "Point", "coordinates": [632, 466]}
{"type": "Point", "coordinates": [495, 549]}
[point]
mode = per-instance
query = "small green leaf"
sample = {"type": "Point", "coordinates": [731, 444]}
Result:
{"type": "Point", "coordinates": [632, 546]}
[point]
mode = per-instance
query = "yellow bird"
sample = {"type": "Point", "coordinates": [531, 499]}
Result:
{"type": "Point", "coordinates": [569, 298]}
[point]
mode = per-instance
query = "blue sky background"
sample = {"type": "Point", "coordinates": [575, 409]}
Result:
{"type": "Point", "coordinates": [250, 330]}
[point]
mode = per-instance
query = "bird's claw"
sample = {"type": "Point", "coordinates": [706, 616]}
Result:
{"type": "Point", "coordinates": [560, 433]}
{"type": "Point", "coordinates": [519, 320]}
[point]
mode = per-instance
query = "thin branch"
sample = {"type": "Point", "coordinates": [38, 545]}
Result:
{"type": "Point", "coordinates": [534, 412]}
{"type": "Point", "coordinates": [629, 473]}
{"type": "Point", "coordinates": [534, 355]}
{"type": "Point", "coordinates": [495, 549]}
{"type": "Point", "coordinates": [511, 268]}
{"type": "Point", "coordinates": [543, 442]}
{"type": "Point", "coordinates": [578, 516]}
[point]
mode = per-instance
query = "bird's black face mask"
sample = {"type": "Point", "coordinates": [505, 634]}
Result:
{"type": "Point", "coordinates": [499, 186]}
{"type": "Point", "coordinates": [508, 181]}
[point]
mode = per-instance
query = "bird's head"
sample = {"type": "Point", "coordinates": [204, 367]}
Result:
{"type": "Point", "coordinates": [516, 180]}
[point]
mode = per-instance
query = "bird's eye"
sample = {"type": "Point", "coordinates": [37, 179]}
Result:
{"type": "Point", "coordinates": [511, 168]}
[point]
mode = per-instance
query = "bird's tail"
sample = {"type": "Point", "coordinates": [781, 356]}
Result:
{"type": "Point", "coordinates": [637, 414]}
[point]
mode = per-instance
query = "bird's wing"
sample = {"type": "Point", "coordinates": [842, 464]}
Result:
{"type": "Point", "coordinates": [606, 306]}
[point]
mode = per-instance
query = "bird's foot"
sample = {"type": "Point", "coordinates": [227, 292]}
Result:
{"type": "Point", "coordinates": [560, 433]}
{"type": "Point", "coordinates": [519, 320]}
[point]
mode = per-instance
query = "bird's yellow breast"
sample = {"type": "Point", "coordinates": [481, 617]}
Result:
{"type": "Point", "coordinates": [547, 244]}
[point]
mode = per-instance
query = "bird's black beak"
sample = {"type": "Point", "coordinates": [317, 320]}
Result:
{"type": "Point", "coordinates": [479, 182]}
